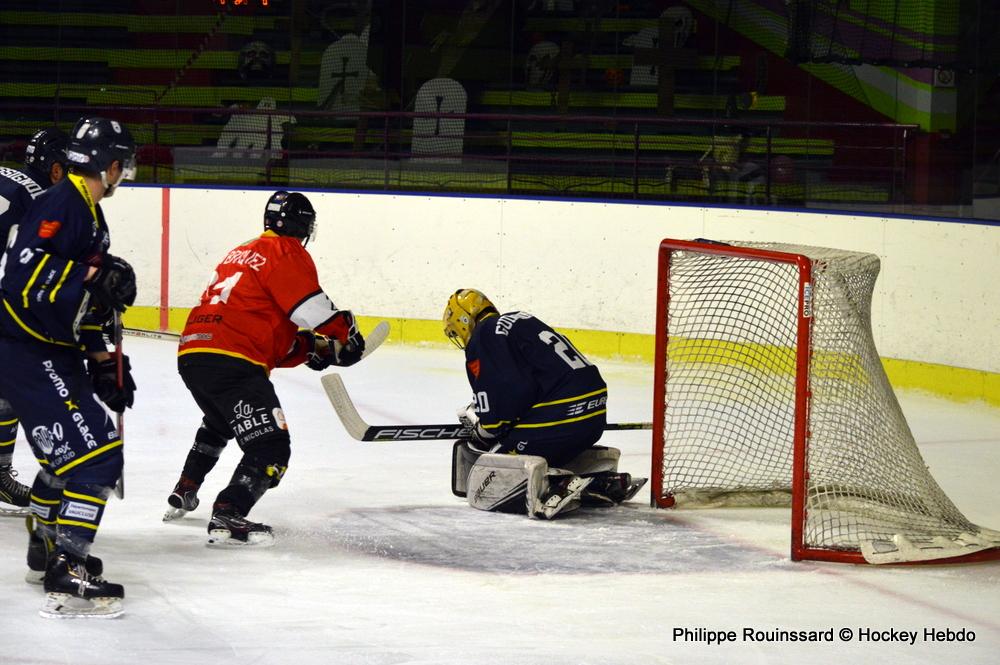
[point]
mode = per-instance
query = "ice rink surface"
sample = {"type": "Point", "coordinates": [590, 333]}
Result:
{"type": "Point", "coordinates": [377, 563]}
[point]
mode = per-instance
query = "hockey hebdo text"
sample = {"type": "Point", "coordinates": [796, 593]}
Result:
{"type": "Point", "coordinates": [859, 634]}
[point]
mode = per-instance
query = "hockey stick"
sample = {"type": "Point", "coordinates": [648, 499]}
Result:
{"type": "Point", "coordinates": [362, 431]}
{"type": "Point", "coordinates": [375, 338]}
{"type": "Point", "coordinates": [152, 334]}
{"type": "Point", "coordinates": [116, 333]}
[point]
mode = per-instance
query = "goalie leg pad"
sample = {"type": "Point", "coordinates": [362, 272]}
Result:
{"type": "Point", "coordinates": [596, 459]}
{"type": "Point", "coordinates": [508, 483]}
{"type": "Point", "coordinates": [463, 457]}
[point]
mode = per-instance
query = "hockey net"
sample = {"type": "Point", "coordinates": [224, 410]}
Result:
{"type": "Point", "coordinates": [769, 391]}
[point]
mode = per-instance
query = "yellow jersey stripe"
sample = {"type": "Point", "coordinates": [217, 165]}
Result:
{"type": "Point", "coordinates": [560, 422]}
{"type": "Point", "coordinates": [85, 525]}
{"type": "Point", "coordinates": [18, 321]}
{"type": "Point", "coordinates": [221, 352]}
{"type": "Point", "coordinates": [85, 497]}
{"type": "Point", "coordinates": [8, 443]}
{"type": "Point", "coordinates": [62, 278]}
{"type": "Point", "coordinates": [90, 455]}
{"type": "Point", "coordinates": [34, 276]}
{"type": "Point", "coordinates": [570, 399]}
{"type": "Point", "coordinates": [8, 422]}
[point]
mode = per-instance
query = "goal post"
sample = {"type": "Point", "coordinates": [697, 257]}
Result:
{"type": "Point", "coordinates": [768, 390]}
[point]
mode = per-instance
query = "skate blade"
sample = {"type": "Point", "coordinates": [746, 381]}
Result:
{"type": "Point", "coordinates": [222, 540]}
{"type": "Point", "coordinates": [633, 489]}
{"type": "Point", "coordinates": [174, 514]}
{"type": "Point", "coordinates": [14, 511]}
{"type": "Point", "coordinates": [65, 606]}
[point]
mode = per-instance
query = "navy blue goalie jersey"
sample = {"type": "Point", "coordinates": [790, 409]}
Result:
{"type": "Point", "coordinates": [525, 375]}
{"type": "Point", "coordinates": [42, 272]}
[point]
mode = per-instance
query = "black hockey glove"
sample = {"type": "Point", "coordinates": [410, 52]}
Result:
{"type": "Point", "coordinates": [104, 375]}
{"type": "Point", "coordinates": [113, 285]}
{"type": "Point", "coordinates": [318, 349]}
{"type": "Point", "coordinates": [350, 353]}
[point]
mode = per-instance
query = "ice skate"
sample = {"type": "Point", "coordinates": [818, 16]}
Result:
{"type": "Point", "coordinates": [563, 496]}
{"type": "Point", "coordinates": [611, 489]}
{"type": "Point", "coordinates": [229, 529]}
{"type": "Point", "coordinates": [71, 592]}
{"type": "Point", "coordinates": [182, 500]}
{"type": "Point", "coordinates": [14, 497]}
{"type": "Point", "coordinates": [40, 549]}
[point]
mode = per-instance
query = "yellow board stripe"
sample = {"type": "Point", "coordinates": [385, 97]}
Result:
{"type": "Point", "coordinates": [560, 422]}
{"type": "Point", "coordinates": [50, 502]}
{"type": "Point", "coordinates": [570, 399]}
{"type": "Point", "coordinates": [34, 276]}
{"type": "Point", "coordinates": [90, 455]}
{"type": "Point", "coordinates": [52, 296]}
{"type": "Point", "coordinates": [955, 383]}
{"type": "Point", "coordinates": [84, 497]}
{"type": "Point", "coordinates": [85, 525]}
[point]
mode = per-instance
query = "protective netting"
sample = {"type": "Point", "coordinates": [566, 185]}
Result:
{"type": "Point", "coordinates": [730, 406]}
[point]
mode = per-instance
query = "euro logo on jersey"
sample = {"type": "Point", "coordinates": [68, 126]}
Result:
{"type": "Point", "coordinates": [48, 229]}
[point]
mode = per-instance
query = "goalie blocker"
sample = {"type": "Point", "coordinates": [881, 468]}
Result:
{"type": "Point", "coordinates": [526, 484]}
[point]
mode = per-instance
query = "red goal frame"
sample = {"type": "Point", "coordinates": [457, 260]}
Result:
{"type": "Point", "coordinates": [801, 433]}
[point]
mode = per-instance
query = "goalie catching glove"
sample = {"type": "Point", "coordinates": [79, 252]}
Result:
{"type": "Point", "coordinates": [104, 376]}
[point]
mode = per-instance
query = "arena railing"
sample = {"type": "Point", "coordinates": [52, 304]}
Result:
{"type": "Point", "coordinates": [747, 162]}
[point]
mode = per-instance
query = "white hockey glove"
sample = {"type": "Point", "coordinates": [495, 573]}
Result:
{"type": "Point", "coordinates": [482, 440]}
{"type": "Point", "coordinates": [467, 415]}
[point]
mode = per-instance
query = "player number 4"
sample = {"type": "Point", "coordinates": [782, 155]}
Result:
{"type": "Point", "coordinates": [224, 288]}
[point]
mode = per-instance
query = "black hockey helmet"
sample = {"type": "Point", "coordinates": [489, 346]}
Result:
{"type": "Point", "coordinates": [290, 214]}
{"type": "Point", "coordinates": [45, 148]}
{"type": "Point", "coordinates": [95, 143]}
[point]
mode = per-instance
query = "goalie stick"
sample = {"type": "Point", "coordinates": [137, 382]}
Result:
{"type": "Point", "coordinates": [362, 431]}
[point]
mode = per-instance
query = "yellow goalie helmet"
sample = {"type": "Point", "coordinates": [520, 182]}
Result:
{"type": "Point", "coordinates": [463, 311]}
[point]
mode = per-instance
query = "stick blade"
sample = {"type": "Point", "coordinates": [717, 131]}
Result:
{"type": "Point", "coordinates": [336, 392]}
{"type": "Point", "coordinates": [375, 338]}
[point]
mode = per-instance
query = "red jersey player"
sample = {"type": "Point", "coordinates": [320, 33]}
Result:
{"type": "Point", "coordinates": [264, 309]}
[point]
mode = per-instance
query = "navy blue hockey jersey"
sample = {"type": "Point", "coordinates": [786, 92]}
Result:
{"type": "Point", "coordinates": [43, 270]}
{"type": "Point", "coordinates": [526, 375]}
{"type": "Point", "coordinates": [17, 190]}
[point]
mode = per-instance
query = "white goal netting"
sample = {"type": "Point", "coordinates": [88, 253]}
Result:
{"type": "Point", "coordinates": [729, 420]}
